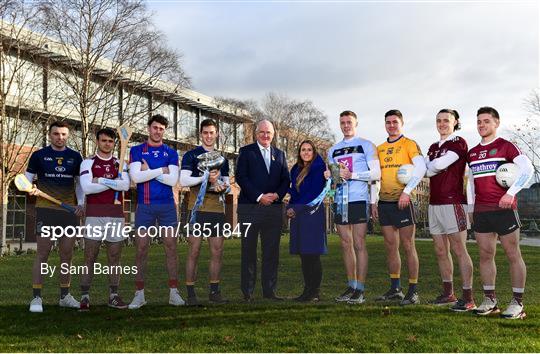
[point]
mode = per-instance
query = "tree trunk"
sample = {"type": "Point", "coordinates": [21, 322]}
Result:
{"type": "Point", "coordinates": [3, 221]}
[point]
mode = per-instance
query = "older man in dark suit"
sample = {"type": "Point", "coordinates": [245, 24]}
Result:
{"type": "Point", "coordinates": [263, 177]}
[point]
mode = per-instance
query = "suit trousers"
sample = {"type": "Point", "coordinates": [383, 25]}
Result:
{"type": "Point", "coordinates": [269, 228]}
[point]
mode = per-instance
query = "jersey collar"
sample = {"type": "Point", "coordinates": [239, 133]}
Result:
{"type": "Point", "coordinates": [391, 142]}
{"type": "Point", "coordinates": [489, 142]}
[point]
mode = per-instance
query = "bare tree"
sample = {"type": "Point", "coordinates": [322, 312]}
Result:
{"type": "Point", "coordinates": [527, 134]}
{"type": "Point", "coordinates": [109, 50]}
{"type": "Point", "coordinates": [294, 121]}
{"type": "Point", "coordinates": [22, 117]}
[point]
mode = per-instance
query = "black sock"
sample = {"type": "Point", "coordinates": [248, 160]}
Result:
{"type": "Point", "coordinates": [85, 289]}
{"type": "Point", "coordinates": [36, 292]}
{"type": "Point", "coordinates": [113, 289]}
{"type": "Point", "coordinates": [214, 287]}
{"type": "Point", "coordinates": [190, 290]}
{"type": "Point", "coordinates": [412, 287]}
{"type": "Point", "coordinates": [64, 290]}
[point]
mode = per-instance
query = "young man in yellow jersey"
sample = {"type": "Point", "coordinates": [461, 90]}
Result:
{"type": "Point", "coordinates": [394, 210]}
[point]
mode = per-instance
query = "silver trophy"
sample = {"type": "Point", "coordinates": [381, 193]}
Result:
{"type": "Point", "coordinates": [209, 161]}
{"type": "Point", "coordinates": [334, 170]}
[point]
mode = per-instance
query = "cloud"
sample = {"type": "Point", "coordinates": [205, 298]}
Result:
{"type": "Point", "coordinates": [369, 57]}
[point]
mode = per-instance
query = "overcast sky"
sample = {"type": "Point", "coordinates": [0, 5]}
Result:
{"type": "Point", "coordinates": [369, 57]}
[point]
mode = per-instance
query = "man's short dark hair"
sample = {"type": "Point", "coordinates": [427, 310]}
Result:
{"type": "Point", "coordinates": [455, 113]}
{"type": "Point", "coordinates": [209, 123]}
{"type": "Point", "coordinates": [106, 131]}
{"type": "Point", "coordinates": [158, 118]}
{"type": "Point", "coordinates": [58, 124]}
{"type": "Point", "coordinates": [488, 110]}
{"type": "Point", "coordinates": [348, 113]}
{"type": "Point", "coordinates": [394, 112]}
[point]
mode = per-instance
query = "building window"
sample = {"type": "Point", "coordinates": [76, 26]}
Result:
{"type": "Point", "coordinates": [187, 126]}
{"type": "Point", "coordinates": [226, 136]}
{"type": "Point", "coordinates": [135, 111]}
{"type": "Point", "coordinates": [167, 110]}
{"type": "Point", "coordinates": [16, 215]}
{"type": "Point", "coordinates": [240, 138]}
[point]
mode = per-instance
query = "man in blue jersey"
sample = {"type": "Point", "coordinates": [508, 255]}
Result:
{"type": "Point", "coordinates": [359, 167]}
{"type": "Point", "coordinates": [210, 217]}
{"type": "Point", "coordinates": [154, 168]}
{"type": "Point", "coordinates": [57, 169]}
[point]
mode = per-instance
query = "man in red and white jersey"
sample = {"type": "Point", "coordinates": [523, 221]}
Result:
{"type": "Point", "coordinates": [448, 222]}
{"type": "Point", "coordinates": [101, 180]}
{"type": "Point", "coordinates": [495, 211]}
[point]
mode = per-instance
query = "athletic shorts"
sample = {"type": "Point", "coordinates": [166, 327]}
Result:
{"type": "Point", "coordinates": [391, 215]}
{"type": "Point", "coordinates": [54, 217]}
{"type": "Point", "coordinates": [447, 219]}
{"type": "Point", "coordinates": [214, 222]}
{"type": "Point", "coordinates": [358, 213]}
{"type": "Point", "coordinates": [501, 222]}
{"type": "Point", "coordinates": [100, 231]}
{"type": "Point", "coordinates": [155, 215]}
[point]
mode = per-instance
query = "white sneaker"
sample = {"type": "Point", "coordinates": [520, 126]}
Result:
{"type": "Point", "coordinates": [36, 305]}
{"type": "Point", "coordinates": [488, 306]}
{"type": "Point", "coordinates": [138, 301]}
{"type": "Point", "coordinates": [175, 299]}
{"type": "Point", "coordinates": [69, 301]}
{"type": "Point", "coordinates": [514, 311]}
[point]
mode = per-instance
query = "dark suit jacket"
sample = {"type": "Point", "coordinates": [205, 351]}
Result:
{"type": "Point", "coordinates": [254, 180]}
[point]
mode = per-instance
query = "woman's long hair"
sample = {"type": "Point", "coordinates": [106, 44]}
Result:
{"type": "Point", "coordinates": [304, 167]}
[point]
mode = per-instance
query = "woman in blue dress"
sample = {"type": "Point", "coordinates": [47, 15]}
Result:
{"type": "Point", "coordinates": [308, 224]}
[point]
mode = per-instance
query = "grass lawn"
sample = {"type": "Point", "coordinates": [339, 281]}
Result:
{"type": "Point", "coordinates": [264, 326]}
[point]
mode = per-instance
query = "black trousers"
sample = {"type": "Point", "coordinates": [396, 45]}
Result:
{"type": "Point", "coordinates": [269, 228]}
{"type": "Point", "coordinates": [312, 272]}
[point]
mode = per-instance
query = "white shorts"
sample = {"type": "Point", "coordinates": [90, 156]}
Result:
{"type": "Point", "coordinates": [100, 231]}
{"type": "Point", "coordinates": [448, 219]}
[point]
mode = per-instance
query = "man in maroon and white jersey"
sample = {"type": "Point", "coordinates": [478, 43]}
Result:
{"type": "Point", "coordinates": [495, 211]}
{"type": "Point", "coordinates": [102, 184]}
{"type": "Point", "coordinates": [448, 222]}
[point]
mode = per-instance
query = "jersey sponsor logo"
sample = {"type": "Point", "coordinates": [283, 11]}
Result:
{"type": "Point", "coordinates": [388, 159]}
{"type": "Point", "coordinates": [348, 150]}
{"type": "Point", "coordinates": [60, 169]}
{"type": "Point", "coordinates": [484, 167]}
{"type": "Point", "coordinates": [347, 161]}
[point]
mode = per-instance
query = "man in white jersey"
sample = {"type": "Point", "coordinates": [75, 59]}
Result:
{"type": "Point", "coordinates": [359, 166]}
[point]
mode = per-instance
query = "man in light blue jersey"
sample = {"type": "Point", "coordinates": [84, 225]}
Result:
{"type": "Point", "coordinates": [358, 169]}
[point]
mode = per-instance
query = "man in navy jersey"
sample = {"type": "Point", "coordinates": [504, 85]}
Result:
{"type": "Point", "coordinates": [154, 168]}
{"type": "Point", "coordinates": [210, 217]}
{"type": "Point", "coordinates": [57, 169]}
{"type": "Point", "coordinates": [495, 211]}
{"type": "Point", "coordinates": [101, 181]}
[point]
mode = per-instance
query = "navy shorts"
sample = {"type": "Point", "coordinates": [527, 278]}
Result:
{"type": "Point", "coordinates": [214, 222]}
{"type": "Point", "coordinates": [358, 213]}
{"type": "Point", "coordinates": [502, 222]}
{"type": "Point", "coordinates": [155, 215]}
{"type": "Point", "coordinates": [391, 215]}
